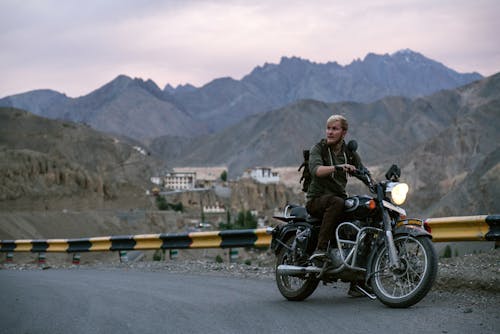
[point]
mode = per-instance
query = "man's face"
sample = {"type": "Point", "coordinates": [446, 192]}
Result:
{"type": "Point", "coordinates": [334, 133]}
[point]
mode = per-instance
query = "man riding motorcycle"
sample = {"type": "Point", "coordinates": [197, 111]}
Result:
{"type": "Point", "coordinates": [330, 161]}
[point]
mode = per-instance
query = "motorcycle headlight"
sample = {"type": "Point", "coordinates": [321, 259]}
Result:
{"type": "Point", "coordinates": [397, 192]}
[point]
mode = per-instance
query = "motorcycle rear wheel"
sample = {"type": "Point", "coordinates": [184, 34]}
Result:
{"type": "Point", "coordinates": [294, 288]}
{"type": "Point", "coordinates": [406, 286]}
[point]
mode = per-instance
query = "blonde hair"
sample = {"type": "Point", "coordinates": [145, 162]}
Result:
{"type": "Point", "coordinates": [342, 119]}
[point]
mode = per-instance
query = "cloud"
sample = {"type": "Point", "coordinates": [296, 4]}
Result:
{"type": "Point", "coordinates": [76, 46]}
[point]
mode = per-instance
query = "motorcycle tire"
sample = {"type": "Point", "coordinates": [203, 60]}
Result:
{"type": "Point", "coordinates": [294, 288]}
{"type": "Point", "coordinates": [405, 286]}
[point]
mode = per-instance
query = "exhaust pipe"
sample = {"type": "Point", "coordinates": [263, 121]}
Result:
{"type": "Point", "coordinates": [285, 269]}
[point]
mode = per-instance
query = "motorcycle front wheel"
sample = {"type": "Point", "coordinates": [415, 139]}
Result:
{"type": "Point", "coordinates": [295, 288]}
{"type": "Point", "coordinates": [407, 285]}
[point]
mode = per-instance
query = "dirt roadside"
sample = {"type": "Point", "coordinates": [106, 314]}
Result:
{"type": "Point", "coordinates": [470, 281]}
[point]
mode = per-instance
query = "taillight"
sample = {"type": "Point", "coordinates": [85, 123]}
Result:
{"type": "Point", "coordinates": [427, 227]}
{"type": "Point", "coordinates": [371, 204]}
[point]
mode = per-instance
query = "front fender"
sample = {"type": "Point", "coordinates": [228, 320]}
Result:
{"type": "Point", "coordinates": [411, 227]}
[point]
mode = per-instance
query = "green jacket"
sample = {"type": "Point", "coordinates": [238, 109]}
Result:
{"type": "Point", "coordinates": [320, 156]}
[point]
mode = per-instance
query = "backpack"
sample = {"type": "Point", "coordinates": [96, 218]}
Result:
{"type": "Point", "coordinates": [305, 179]}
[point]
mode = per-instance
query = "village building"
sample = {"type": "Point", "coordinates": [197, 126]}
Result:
{"type": "Point", "coordinates": [217, 208]}
{"type": "Point", "coordinates": [179, 180]}
{"type": "Point", "coordinates": [205, 177]}
{"type": "Point", "coordinates": [262, 175]}
{"type": "Point", "coordinates": [156, 180]}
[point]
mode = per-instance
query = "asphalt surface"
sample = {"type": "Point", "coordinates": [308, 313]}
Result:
{"type": "Point", "coordinates": [131, 301]}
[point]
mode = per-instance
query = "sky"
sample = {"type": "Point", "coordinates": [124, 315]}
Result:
{"type": "Point", "coordinates": [75, 47]}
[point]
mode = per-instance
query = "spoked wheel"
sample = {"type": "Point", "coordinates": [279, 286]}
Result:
{"type": "Point", "coordinates": [296, 287]}
{"type": "Point", "coordinates": [407, 285]}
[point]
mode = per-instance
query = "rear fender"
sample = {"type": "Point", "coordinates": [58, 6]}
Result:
{"type": "Point", "coordinates": [282, 232]}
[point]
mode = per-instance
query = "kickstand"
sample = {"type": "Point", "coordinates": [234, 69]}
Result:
{"type": "Point", "coordinates": [369, 295]}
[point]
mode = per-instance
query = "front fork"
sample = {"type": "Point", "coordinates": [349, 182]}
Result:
{"type": "Point", "coordinates": [389, 240]}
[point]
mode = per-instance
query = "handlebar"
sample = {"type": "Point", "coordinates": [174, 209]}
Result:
{"type": "Point", "coordinates": [363, 174]}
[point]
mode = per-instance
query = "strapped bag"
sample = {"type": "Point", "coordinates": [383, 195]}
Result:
{"type": "Point", "coordinates": [305, 179]}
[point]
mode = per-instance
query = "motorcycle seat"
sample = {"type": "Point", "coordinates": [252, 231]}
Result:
{"type": "Point", "coordinates": [300, 213]}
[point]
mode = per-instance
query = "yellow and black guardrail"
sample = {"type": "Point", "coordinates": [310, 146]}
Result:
{"type": "Point", "coordinates": [212, 239]}
{"type": "Point", "coordinates": [467, 228]}
{"type": "Point", "coordinates": [447, 229]}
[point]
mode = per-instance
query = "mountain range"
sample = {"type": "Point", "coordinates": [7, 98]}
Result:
{"type": "Point", "coordinates": [385, 128]}
{"type": "Point", "coordinates": [446, 143]}
{"type": "Point", "coordinates": [141, 110]}
{"type": "Point", "coordinates": [438, 125]}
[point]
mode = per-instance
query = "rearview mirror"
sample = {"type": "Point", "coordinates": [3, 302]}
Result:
{"type": "Point", "coordinates": [393, 173]}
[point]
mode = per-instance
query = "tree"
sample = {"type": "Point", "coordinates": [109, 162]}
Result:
{"type": "Point", "coordinates": [250, 220]}
{"type": "Point", "coordinates": [246, 220]}
{"type": "Point", "coordinates": [161, 203]}
{"type": "Point", "coordinates": [177, 207]}
{"type": "Point", "coordinates": [223, 176]}
{"type": "Point", "coordinates": [225, 226]}
{"type": "Point", "coordinates": [240, 220]}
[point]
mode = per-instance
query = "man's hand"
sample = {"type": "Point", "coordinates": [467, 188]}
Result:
{"type": "Point", "coordinates": [323, 171]}
{"type": "Point", "coordinates": [346, 168]}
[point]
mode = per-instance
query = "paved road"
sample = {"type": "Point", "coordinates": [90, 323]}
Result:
{"type": "Point", "coordinates": [130, 301]}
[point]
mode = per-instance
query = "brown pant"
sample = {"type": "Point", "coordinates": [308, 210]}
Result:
{"type": "Point", "coordinates": [329, 208]}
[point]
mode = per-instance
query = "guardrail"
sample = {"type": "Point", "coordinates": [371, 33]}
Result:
{"type": "Point", "coordinates": [467, 228]}
{"type": "Point", "coordinates": [213, 239]}
{"type": "Point", "coordinates": [447, 229]}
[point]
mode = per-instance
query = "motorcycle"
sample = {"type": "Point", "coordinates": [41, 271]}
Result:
{"type": "Point", "coordinates": [388, 256]}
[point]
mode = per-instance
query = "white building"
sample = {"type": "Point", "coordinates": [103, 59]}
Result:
{"type": "Point", "coordinates": [262, 175]}
{"type": "Point", "coordinates": [156, 180]}
{"type": "Point", "coordinates": [205, 176]}
{"type": "Point", "coordinates": [140, 150]}
{"type": "Point", "coordinates": [179, 181]}
{"type": "Point", "coordinates": [217, 208]}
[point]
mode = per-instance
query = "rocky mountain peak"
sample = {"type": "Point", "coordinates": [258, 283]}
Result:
{"type": "Point", "coordinates": [225, 101]}
{"type": "Point", "coordinates": [409, 54]}
{"type": "Point", "coordinates": [179, 89]}
{"type": "Point", "coordinates": [111, 89]}
{"type": "Point", "coordinates": [122, 82]}
{"type": "Point", "coordinates": [287, 61]}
